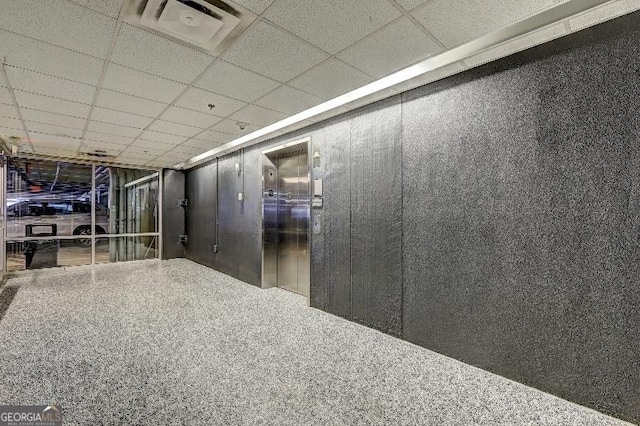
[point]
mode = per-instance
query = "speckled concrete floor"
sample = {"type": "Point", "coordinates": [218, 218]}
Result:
{"type": "Point", "coordinates": [177, 343]}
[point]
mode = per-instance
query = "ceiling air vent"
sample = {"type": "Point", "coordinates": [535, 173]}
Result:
{"type": "Point", "coordinates": [206, 24]}
{"type": "Point", "coordinates": [98, 153]}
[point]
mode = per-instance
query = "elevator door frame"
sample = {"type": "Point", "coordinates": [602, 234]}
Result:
{"type": "Point", "coordinates": [269, 269]}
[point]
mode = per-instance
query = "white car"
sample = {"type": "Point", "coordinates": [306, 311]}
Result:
{"type": "Point", "coordinates": [71, 217]}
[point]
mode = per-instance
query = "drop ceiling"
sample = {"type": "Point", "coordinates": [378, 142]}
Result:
{"type": "Point", "coordinates": [77, 78]}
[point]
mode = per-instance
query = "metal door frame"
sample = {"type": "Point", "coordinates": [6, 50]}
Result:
{"type": "Point", "coordinates": [294, 145]}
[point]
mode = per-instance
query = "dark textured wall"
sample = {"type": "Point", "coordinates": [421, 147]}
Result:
{"type": "Point", "coordinates": [331, 246]}
{"type": "Point", "coordinates": [239, 222]}
{"type": "Point", "coordinates": [249, 223]}
{"type": "Point", "coordinates": [521, 212]}
{"type": "Point", "coordinates": [492, 217]}
{"type": "Point", "coordinates": [229, 183]}
{"type": "Point", "coordinates": [201, 214]}
{"type": "Point", "coordinates": [173, 216]}
{"type": "Point", "coordinates": [376, 216]}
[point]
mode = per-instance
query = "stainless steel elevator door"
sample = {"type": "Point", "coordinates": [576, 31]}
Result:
{"type": "Point", "coordinates": [293, 222]}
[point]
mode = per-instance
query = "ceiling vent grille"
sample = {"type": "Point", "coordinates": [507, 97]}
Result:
{"type": "Point", "coordinates": [99, 153]}
{"type": "Point", "coordinates": [209, 25]}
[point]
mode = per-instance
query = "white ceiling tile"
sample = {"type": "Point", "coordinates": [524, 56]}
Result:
{"type": "Point", "coordinates": [132, 157]}
{"type": "Point", "coordinates": [430, 77]}
{"type": "Point", "coordinates": [8, 111]}
{"type": "Point", "coordinates": [332, 25]}
{"type": "Point", "coordinates": [144, 51]}
{"type": "Point", "coordinates": [174, 128]}
{"type": "Point", "coordinates": [124, 159]}
{"type": "Point", "coordinates": [113, 129]}
{"type": "Point", "coordinates": [168, 160]}
{"type": "Point", "coordinates": [273, 53]}
{"type": "Point", "coordinates": [190, 118]}
{"type": "Point", "coordinates": [111, 147]}
{"type": "Point", "coordinates": [56, 151]}
{"type": "Point", "coordinates": [603, 13]}
{"type": "Point", "coordinates": [13, 133]}
{"type": "Point", "coordinates": [257, 115]}
{"type": "Point", "coordinates": [5, 96]}
{"type": "Point", "coordinates": [26, 53]}
{"type": "Point", "coordinates": [209, 136]}
{"type": "Point", "coordinates": [120, 118]}
{"type": "Point", "coordinates": [199, 100]}
{"type": "Point", "coordinates": [521, 43]}
{"type": "Point", "coordinates": [50, 86]}
{"type": "Point", "coordinates": [231, 127]}
{"type": "Point", "coordinates": [125, 103]}
{"type": "Point", "coordinates": [51, 118]}
{"type": "Point", "coordinates": [288, 100]}
{"type": "Point", "coordinates": [154, 149]}
{"type": "Point", "coordinates": [410, 4]}
{"type": "Point", "coordinates": [146, 150]}
{"type": "Point", "coordinates": [140, 84]}
{"type": "Point", "coordinates": [256, 6]}
{"type": "Point", "coordinates": [173, 155]}
{"type": "Point", "coordinates": [202, 146]}
{"type": "Point", "coordinates": [148, 153]}
{"type": "Point", "coordinates": [149, 135]}
{"type": "Point", "coordinates": [10, 123]}
{"type": "Point", "coordinates": [51, 129]}
{"type": "Point", "coordinates": [390, 49]}
{"type": "Point", "coordinates": [49, 104]}
{"type": "Point", "coordinates": [61, 23]}
{"type": "Point", "coordinates": [187, 150]}
{"type": "Point", "coordinates": [107, 7]}
{"type": "Point", "coordinates": [107, 138]}
{"type": "Point", "coordinates": [54, 141]}
{"type": "Point", "coordinates": [330, 79]}
{"type": "Point", "coordinates": [235, 82]}
{"type": "Point", "coordinates": [455, 22]}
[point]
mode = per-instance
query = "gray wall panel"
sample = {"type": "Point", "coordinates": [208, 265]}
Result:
{"type": "Point", "coordinates": [173, 216]}
{"type": "Point", "coordinates": [226, 260]}
{"type": "Point", "coordinates": [376, 216]}
{"type": "Point", "coordinates": [521, 220]}
{"type": "Point", "coordinates": [201, 214]}
{"type": "Point", "coordinates": [250, 220]}
{"type": "Point", "coordinates": [331, 250]}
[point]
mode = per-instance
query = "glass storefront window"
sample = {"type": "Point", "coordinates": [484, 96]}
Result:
{"type": "Point", "coordinates": [121, 249]}
{"type": "Point", "coordinates": [38, 254]}
{"type": "Point", "coordinates": [46, 194]}
{"type": "Point", "coordinates": [127, 200]}
{"type": "Point", "coordinates": [51, 221]}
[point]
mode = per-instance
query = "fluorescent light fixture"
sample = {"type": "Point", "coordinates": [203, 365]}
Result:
{"type": "Point", "coordinates": [286, 145]}
{"type": "Point", "coordinates": [528, 25]}
{"type": "Point", "coordinates": [142, 180]}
